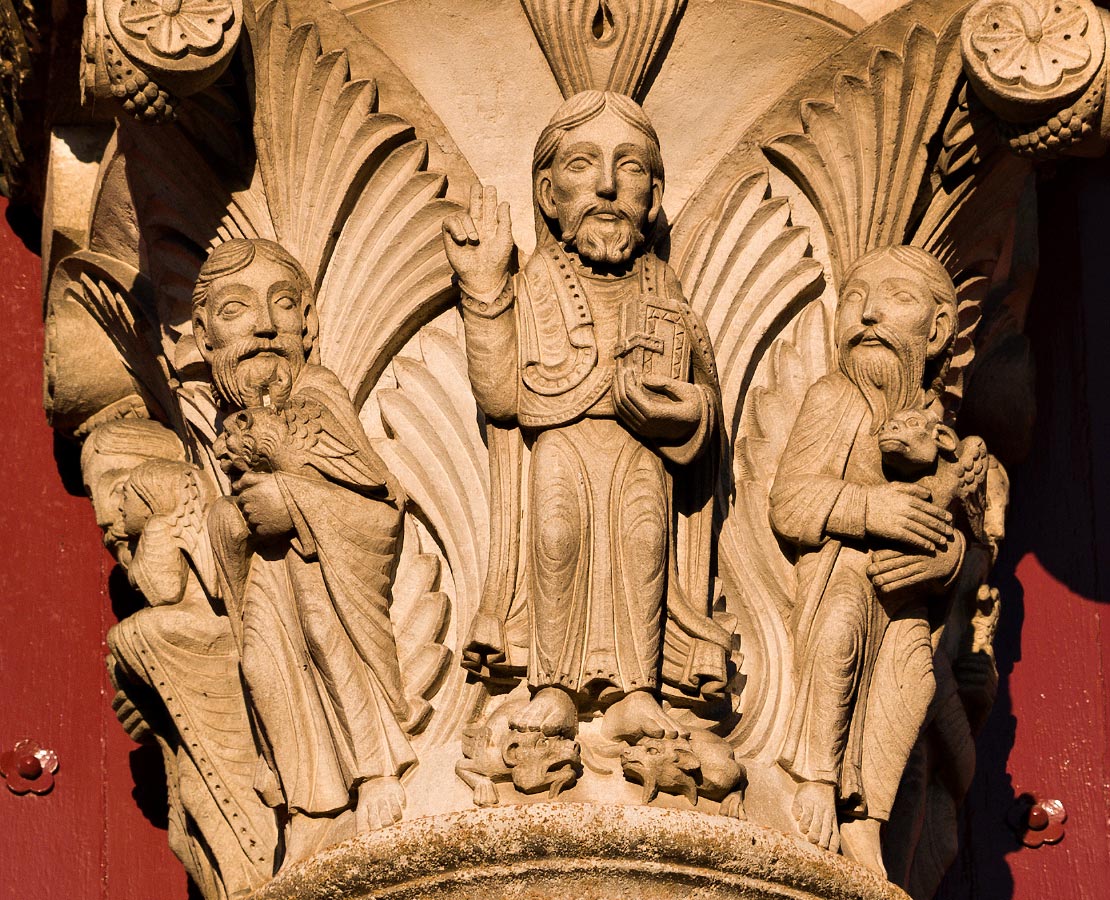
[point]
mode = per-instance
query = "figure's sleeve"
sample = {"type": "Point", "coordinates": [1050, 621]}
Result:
{"type": "Point", "coordinates": [708, 422]}
{"type": "Point", "coordinates": [159, 569]}
{"type": "Point", "coordinates": [490, 327]}
{"type": "Point", "coordinates": [810, 500]}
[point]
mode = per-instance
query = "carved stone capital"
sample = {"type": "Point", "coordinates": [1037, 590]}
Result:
{"type": "Point", "coordinates": [533, 482]}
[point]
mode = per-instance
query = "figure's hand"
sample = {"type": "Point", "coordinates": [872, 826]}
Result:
{"type": "Point", "coordinates": [130, 718]}
{"type": "Point", "coordinates": [656, 407]}
{"type": "Point", "coordinates": [892, 570]}
{"type": "Point", "coordinates": [262, 505]}
{"type": "Point", "coordinates": [903, 513]}
{"type": "Point", "coordinates": [480, 243]}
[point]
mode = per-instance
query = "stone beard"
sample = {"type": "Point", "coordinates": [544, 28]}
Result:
{"type": "Point", "coordinates": [307, 551]}
{"type": "Point", "coordinates": [863, 658]}
{"type": "Point", "coordinates": [617, 582]}
{"type": "Point", "coordinates": [252, 368]}
{"type": "Point", "coordinates": [886, 369]}
{"type": "Point", "coordinates": [604, 240]}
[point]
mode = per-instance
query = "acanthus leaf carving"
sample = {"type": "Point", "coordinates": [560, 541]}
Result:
{"type": "Point", "coordinates": [751, 556]}
{"type": "Point", "coordinates": [861, 158]}
{"type": "Point", "coordinates": [748, 269]}
{"type": "Point", "coordinates": [437, 454]}
{"type": "Point", "coordinates": [348, 183]}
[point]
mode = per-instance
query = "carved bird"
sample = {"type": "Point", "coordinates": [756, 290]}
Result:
{"type": "Point", "coordinates": [302, 438]}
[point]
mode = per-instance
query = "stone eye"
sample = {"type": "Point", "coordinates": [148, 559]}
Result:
{"type": "Point", "coordinates": [232, 309]}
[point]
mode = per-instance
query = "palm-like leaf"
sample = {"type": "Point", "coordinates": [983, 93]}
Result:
{"type": "Point", "coordinates": [350, 197]}
{"type": "Point", "coordinates": [757, 573]}
{"type": "Point", "coordinates": [861, 158]}
{"type": "Point", "coordinates": [435, 449]}
{"type": "Point", "coordinates": [747, 270]}
{"type": "Point", "coordinates": [119, 300]}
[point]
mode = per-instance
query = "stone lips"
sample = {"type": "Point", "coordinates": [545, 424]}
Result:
{"type": "Point", "coordinates": [580, 850]}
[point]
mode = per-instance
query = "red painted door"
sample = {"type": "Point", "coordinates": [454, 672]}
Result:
{"type": "Point", "coordinates": [95, 835]}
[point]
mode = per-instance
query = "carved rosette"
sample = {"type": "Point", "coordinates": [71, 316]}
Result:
{"type": "Point", "coordinates": [515, 553]}
{"type": "Point", "coordinates": [147, 53]}
{"type": "Point", "coordinates": [1040, 67]}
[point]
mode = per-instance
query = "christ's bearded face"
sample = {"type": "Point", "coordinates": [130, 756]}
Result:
{"type": "Point", "coordinates": [886, 328]}
{"type": "Point", "coordinates": [601, 190]}
{"type": "Point", "coordinates": [253, 332]}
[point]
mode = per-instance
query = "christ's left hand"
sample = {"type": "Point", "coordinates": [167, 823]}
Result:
{"type": "Point", "coordinates": [656, 407]}
{"type": "Point", "coordinates": [893, 570]}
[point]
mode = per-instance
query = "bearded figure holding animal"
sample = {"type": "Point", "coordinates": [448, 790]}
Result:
{"type": "Point", "coordinates": [306, 549]}
{"type": "Point", "coordinates": [881, 500]}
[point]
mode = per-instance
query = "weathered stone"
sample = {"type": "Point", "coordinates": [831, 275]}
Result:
{"type": "Point", "coordinates": [566, 425]}
{"type": "Point", "coordinates": [597, 853]}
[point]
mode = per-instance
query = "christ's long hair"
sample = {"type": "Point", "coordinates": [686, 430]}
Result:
{"type": "Point", "coordinates": [578, 110]}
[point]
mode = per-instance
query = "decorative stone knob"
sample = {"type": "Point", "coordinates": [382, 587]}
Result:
{"type": "Point", "coordinates": [148, 53]}
{"type": "Point", "coordinates": [29, 768]}
{"type": "Point", "coordinates": [1028, 59]}
{"type": "Point", "coordinates": [1040, 67]}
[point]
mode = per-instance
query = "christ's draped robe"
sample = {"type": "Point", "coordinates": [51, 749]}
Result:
{"type": "Point", "coordinates": [616, 527]}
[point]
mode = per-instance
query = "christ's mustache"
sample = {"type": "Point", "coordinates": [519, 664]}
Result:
{"type": "Point", "coordinates": [622, 210]}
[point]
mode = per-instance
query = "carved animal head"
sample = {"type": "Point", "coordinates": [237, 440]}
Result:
{"type": "Point", "coordinates": [235, 447]}
{"type": "Point", "coordinates": [911, 439]}
{"type": "Point", "coordinates": [540, 762]}
{"type": "Point", "coordinates": [251, 440]}
{"type": "Point", "coordinates": [662, 764]}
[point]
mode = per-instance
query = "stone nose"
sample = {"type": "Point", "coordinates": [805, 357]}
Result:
{"type": "Point", "coordinates": [872, 312]}
{"type": "Point", "coordinates": [264, 326]}
{"type": "Point", "coordinates": [606, 183]}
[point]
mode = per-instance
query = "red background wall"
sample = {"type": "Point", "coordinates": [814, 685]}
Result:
{"type": "Point", "coordinates": [95, 835]}
{"type": "Point", "coordinates": [98, 836]}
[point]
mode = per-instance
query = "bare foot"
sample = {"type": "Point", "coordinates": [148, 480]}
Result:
{"type": "Point", "coordinates": [551, 711]}
{"type": "Point", "coordinates": [733, 805]}
{"type": "Point", "coordinates": [815, 809]}
{"type": "Point", "coordinates": [860, 839]}
{"type": "Point", "coordinates": [380, 803]}
{"type": "Point", "coordinates": [639, 715]}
